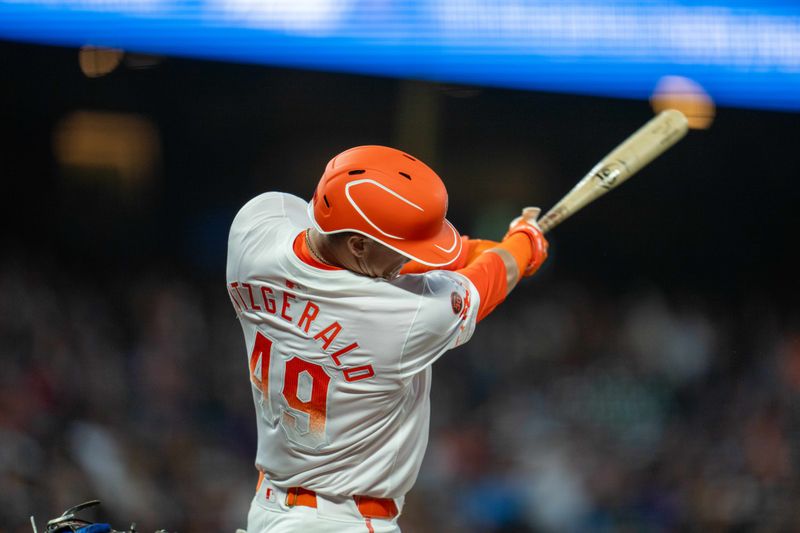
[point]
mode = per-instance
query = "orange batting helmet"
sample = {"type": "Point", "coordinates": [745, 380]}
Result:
{"type": "Point", "coordinates": [390, 197]}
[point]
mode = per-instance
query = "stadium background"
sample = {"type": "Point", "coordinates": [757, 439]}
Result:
{"type": "Point", "coordinates": [648, 379]}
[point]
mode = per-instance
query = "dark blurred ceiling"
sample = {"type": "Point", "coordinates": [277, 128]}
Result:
{"type": "Point", "coordinates": [718, 213]}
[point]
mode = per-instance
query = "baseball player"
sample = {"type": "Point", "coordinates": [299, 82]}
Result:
{"type": "Point", "coordinates": [345, 303]}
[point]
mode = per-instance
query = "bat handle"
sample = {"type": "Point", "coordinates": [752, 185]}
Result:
{"type": "Point", "coordinates": [553, 218]}
{"type": "Point", "coordinates": [545, 226]}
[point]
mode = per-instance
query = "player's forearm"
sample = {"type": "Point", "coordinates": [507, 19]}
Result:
{"type": "Point", "coordinates": [498, 270]}
{"type": "Point", "coordinates": [512, 270]}
{"type": "Point", "coordinates": [489, 276]}
{"type": "Point", "coordinates": [516, 252]}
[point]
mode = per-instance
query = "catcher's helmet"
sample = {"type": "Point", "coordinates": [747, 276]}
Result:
{"type": "Point", "coordinates": [391, 197]}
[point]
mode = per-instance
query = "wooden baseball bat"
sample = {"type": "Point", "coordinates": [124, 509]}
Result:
{"type": "Point", "coordinates": [644, 145]}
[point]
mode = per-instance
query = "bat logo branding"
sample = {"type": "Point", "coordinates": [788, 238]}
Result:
{"type": "Point", "coordinates": [639, 149]}
{"type": "Point", "coordinates": [607, 175]}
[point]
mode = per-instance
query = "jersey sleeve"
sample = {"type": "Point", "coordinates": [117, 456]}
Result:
{"type": "Point", "coordinates": [488, 276]}
{"type": "Point", "coordinates": [267, 207]}
{"type": "Point", "coordinates": [253, 229]}
{"type": "Point", "coordinates": [445, 318]}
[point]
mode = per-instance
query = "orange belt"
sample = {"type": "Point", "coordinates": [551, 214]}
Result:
{"type": "Point", "coordinates": [368, 506]}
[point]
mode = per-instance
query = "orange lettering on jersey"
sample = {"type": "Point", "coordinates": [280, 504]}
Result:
{"type": "Point", "coordinates": [231, 288]}
{"type": "Point", "coordinates": [328, 335]}
{"type": "Point", "coordinates": [309, 314]}
{"type": "Point", "coordinates": [467, 305]}
{"type": "Point", "coordinates": [253, 304]}
{"type": "Point", "coordinates": [286, 304]}
{"type": "Point", "coordinates": [335, 356]}
{"type": "Point", "coordinates": [316, 406]}
{"type": "Point", "coordinates": [235, 286]}
{"type": "Point", "coordinates": [262, 350]}
{"type": "Point", "coordinates": [358, 373]}
{"type": "Point", "coordinates": [269, 302]}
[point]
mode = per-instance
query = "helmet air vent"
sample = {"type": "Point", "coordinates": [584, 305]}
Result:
{"type": "Point", "coordinates": [408, 156]}
{"type": "Point", "coordinates": [406, 176]}
{"type": "Point", "coordinates": [354, 172]}
{"type": "Point", "coordinates": [324, 197]}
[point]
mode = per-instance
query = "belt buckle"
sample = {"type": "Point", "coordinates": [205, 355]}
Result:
{"type": "Point", "coordinates": [299, 496]}
{"type": "Point", "coordinates": [291, 496]}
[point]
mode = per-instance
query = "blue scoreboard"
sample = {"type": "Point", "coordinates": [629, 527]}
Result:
{"type": "Point", "coordinates": [744, 54]}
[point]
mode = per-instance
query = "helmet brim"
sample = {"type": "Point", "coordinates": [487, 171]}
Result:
{"type": "Point", "coordinates": [438, 251]}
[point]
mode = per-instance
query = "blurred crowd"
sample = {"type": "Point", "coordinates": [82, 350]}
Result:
{"type": "Point", "coordinates": [571, 409]}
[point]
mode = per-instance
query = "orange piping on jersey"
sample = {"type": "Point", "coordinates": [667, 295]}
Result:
{"type": "Point", "coordinates": [488, 274]}
{"type": "Point", "coordinates": [304, 254]}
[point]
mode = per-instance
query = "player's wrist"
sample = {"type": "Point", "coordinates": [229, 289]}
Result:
{"type": "Point", "coordinates": [524, 232]}
{"type": "Point", "coordinates": [523, 229]}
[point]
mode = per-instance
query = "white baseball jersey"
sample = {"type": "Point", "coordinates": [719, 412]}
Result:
{"type": "Point", "coordinates": [340, 364]}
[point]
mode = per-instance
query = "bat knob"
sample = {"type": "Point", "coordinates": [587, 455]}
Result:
{"type": "Point", "coordinates": [531, 213]}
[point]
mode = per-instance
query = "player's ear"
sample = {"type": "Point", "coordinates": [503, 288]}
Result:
{"type": "Point", "coordinates": [357, 244]}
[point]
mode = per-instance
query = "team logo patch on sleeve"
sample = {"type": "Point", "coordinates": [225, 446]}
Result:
{"type": "Point", "coordinates": [457, 302]}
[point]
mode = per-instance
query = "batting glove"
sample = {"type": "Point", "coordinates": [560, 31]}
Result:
{"type": "Point", "coordinates": [526, 223]}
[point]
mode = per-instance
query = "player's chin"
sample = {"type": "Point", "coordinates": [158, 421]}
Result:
{"type": "Point", "coordinates": [392, 274]}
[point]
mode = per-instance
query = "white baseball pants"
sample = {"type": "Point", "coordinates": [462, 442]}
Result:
{"type": "Point", "coordinates": [270, 514]}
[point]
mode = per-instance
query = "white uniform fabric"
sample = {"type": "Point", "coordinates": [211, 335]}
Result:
{"type": "Point", "coordinates": [338, 514]}
{"type": "Point", "coordinates": [340, 363]}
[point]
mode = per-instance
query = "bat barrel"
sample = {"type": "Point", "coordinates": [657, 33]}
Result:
{"type": "Point", "coordinates": [639, 149]}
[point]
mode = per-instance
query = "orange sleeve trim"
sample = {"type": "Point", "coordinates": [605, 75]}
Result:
{"type": "Point", "coordinates": [304, 254]}
{"type": "Point", "coordinates": [470, 250]}
{"type": "Point", "coordinates": [488, 273]}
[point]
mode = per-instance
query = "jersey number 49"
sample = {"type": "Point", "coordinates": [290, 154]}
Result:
{"type": "Point", "coordinates": [301, 403]}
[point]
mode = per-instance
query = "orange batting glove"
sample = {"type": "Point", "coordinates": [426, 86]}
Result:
{"type": "Point", "coordinates": [527, 225]}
